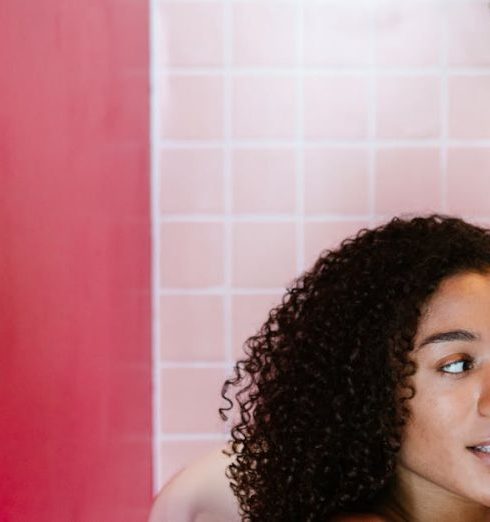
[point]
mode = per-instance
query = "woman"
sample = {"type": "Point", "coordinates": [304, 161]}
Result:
{"type": "Point", "coordinates": [366, 394]}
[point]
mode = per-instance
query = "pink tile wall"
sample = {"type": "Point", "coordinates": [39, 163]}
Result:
{"type": "Point", "coordinates": [281, 127]}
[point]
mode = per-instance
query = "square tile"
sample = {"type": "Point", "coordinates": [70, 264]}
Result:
{"type": "Point", "coordinates": [191, 107]}
{"type": "Point", "coordinates": [191, 181]}
{"type": "Point", "coordinates": [469, 107]}
{"type": "Point", "coordinates": [263, 180]}
{"type": "Point", "coordinates": [190, 399]}
{"type": "Point", "coordinates": [191, 328]}
{"type": "Point", "coordinates": [408, 180]}
{"type": "Point", "coordinates": [264, 34]}
{"type": "Point", "coordinates": [263, 254]}
{"type": "Point", "coordinates": [264, 107]}
{"type": "Point", "coordinates": [408, 107]}
{"type": "Point", "coordinates": [191, 255]}
{"type": "Point", "coordinates": [336, 180]}
{"type": "Point", "coordinates": [336, 33]}
{"type": "Point", "coordinates": [408, 34]}
{"type": "Point", "coordinates": [468, 180]}
{"type": "Point", "coordinates": [468, 34]}
{"type": "Point", "coordinates": [190, 33]}
{"type": "Point", "coordinates": [335, 107]}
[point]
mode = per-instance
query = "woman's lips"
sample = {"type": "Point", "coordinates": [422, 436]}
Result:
{"type": "Point", "coordinates": [484, 457]}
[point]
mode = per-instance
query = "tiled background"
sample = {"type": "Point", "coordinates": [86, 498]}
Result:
{"type": "Point", "coordinates": [279, 128]}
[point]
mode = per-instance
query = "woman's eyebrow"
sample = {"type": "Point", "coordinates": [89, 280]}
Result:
{"type": "Point", "coordinates": [452, 335]}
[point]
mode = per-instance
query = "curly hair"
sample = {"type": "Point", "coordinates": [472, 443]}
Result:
{"type": "Point", "coordinates": [323, 387]}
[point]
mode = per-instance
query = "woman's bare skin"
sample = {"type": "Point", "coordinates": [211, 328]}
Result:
{"type": "Point", "coordinates": [198, 493]}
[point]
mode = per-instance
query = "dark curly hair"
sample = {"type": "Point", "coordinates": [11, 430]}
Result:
{"type": "Point", "coordinates": [323, 388]}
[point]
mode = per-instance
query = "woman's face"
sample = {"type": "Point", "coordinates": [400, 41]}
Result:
{"type": "Point", "coordinates": [451, 407]}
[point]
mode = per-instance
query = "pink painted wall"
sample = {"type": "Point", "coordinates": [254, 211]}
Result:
{"type": "Point", "coordinates": [280, 128]}
{"type": "Point", "coordinates": [75, 394]}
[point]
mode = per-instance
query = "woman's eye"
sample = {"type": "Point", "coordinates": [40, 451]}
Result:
{"type": "Point", "coordinates": [459, 366]}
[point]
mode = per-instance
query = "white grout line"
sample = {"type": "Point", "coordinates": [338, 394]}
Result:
{"type": "Point", "coordinates": [299, 145]}
{"type": "Point", "coordinates": [178, 437]}
{"type": "Point", "coordinates": [219, 218]}
{"type": "Point", "coordinates": [337, 70]}
{"type": "Point", "coordinates": [444, 108]}
{"type": "Point", "coordinates": [292, 1]}
{"type": "Point", "coordinates": [231, 1]}
{"type": "Point", "coordinates": [220, 291]}
{"type": "Point", "coordinates": [372, 104]}
{"type": "Point", "coordinates": [154, 115]}
{"type": "Point", "coordinates": [228, 184]}
{"type": "Point", "coordinates": [257, 218]}
{"type": "Point", "coordinates": [361, 142]}
{"type": "Point", "coordinates": [192, 364]}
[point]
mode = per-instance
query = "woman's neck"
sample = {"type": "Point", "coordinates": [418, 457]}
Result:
{"type": "Point", "coordinates": [411, 498]}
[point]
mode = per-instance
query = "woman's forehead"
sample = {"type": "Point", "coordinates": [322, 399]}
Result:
{"type": "Point", "coordinates": [458, 299]}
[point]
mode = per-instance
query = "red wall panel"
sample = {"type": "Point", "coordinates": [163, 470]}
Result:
{"type": "Point", "coordinates": [75, 393]}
